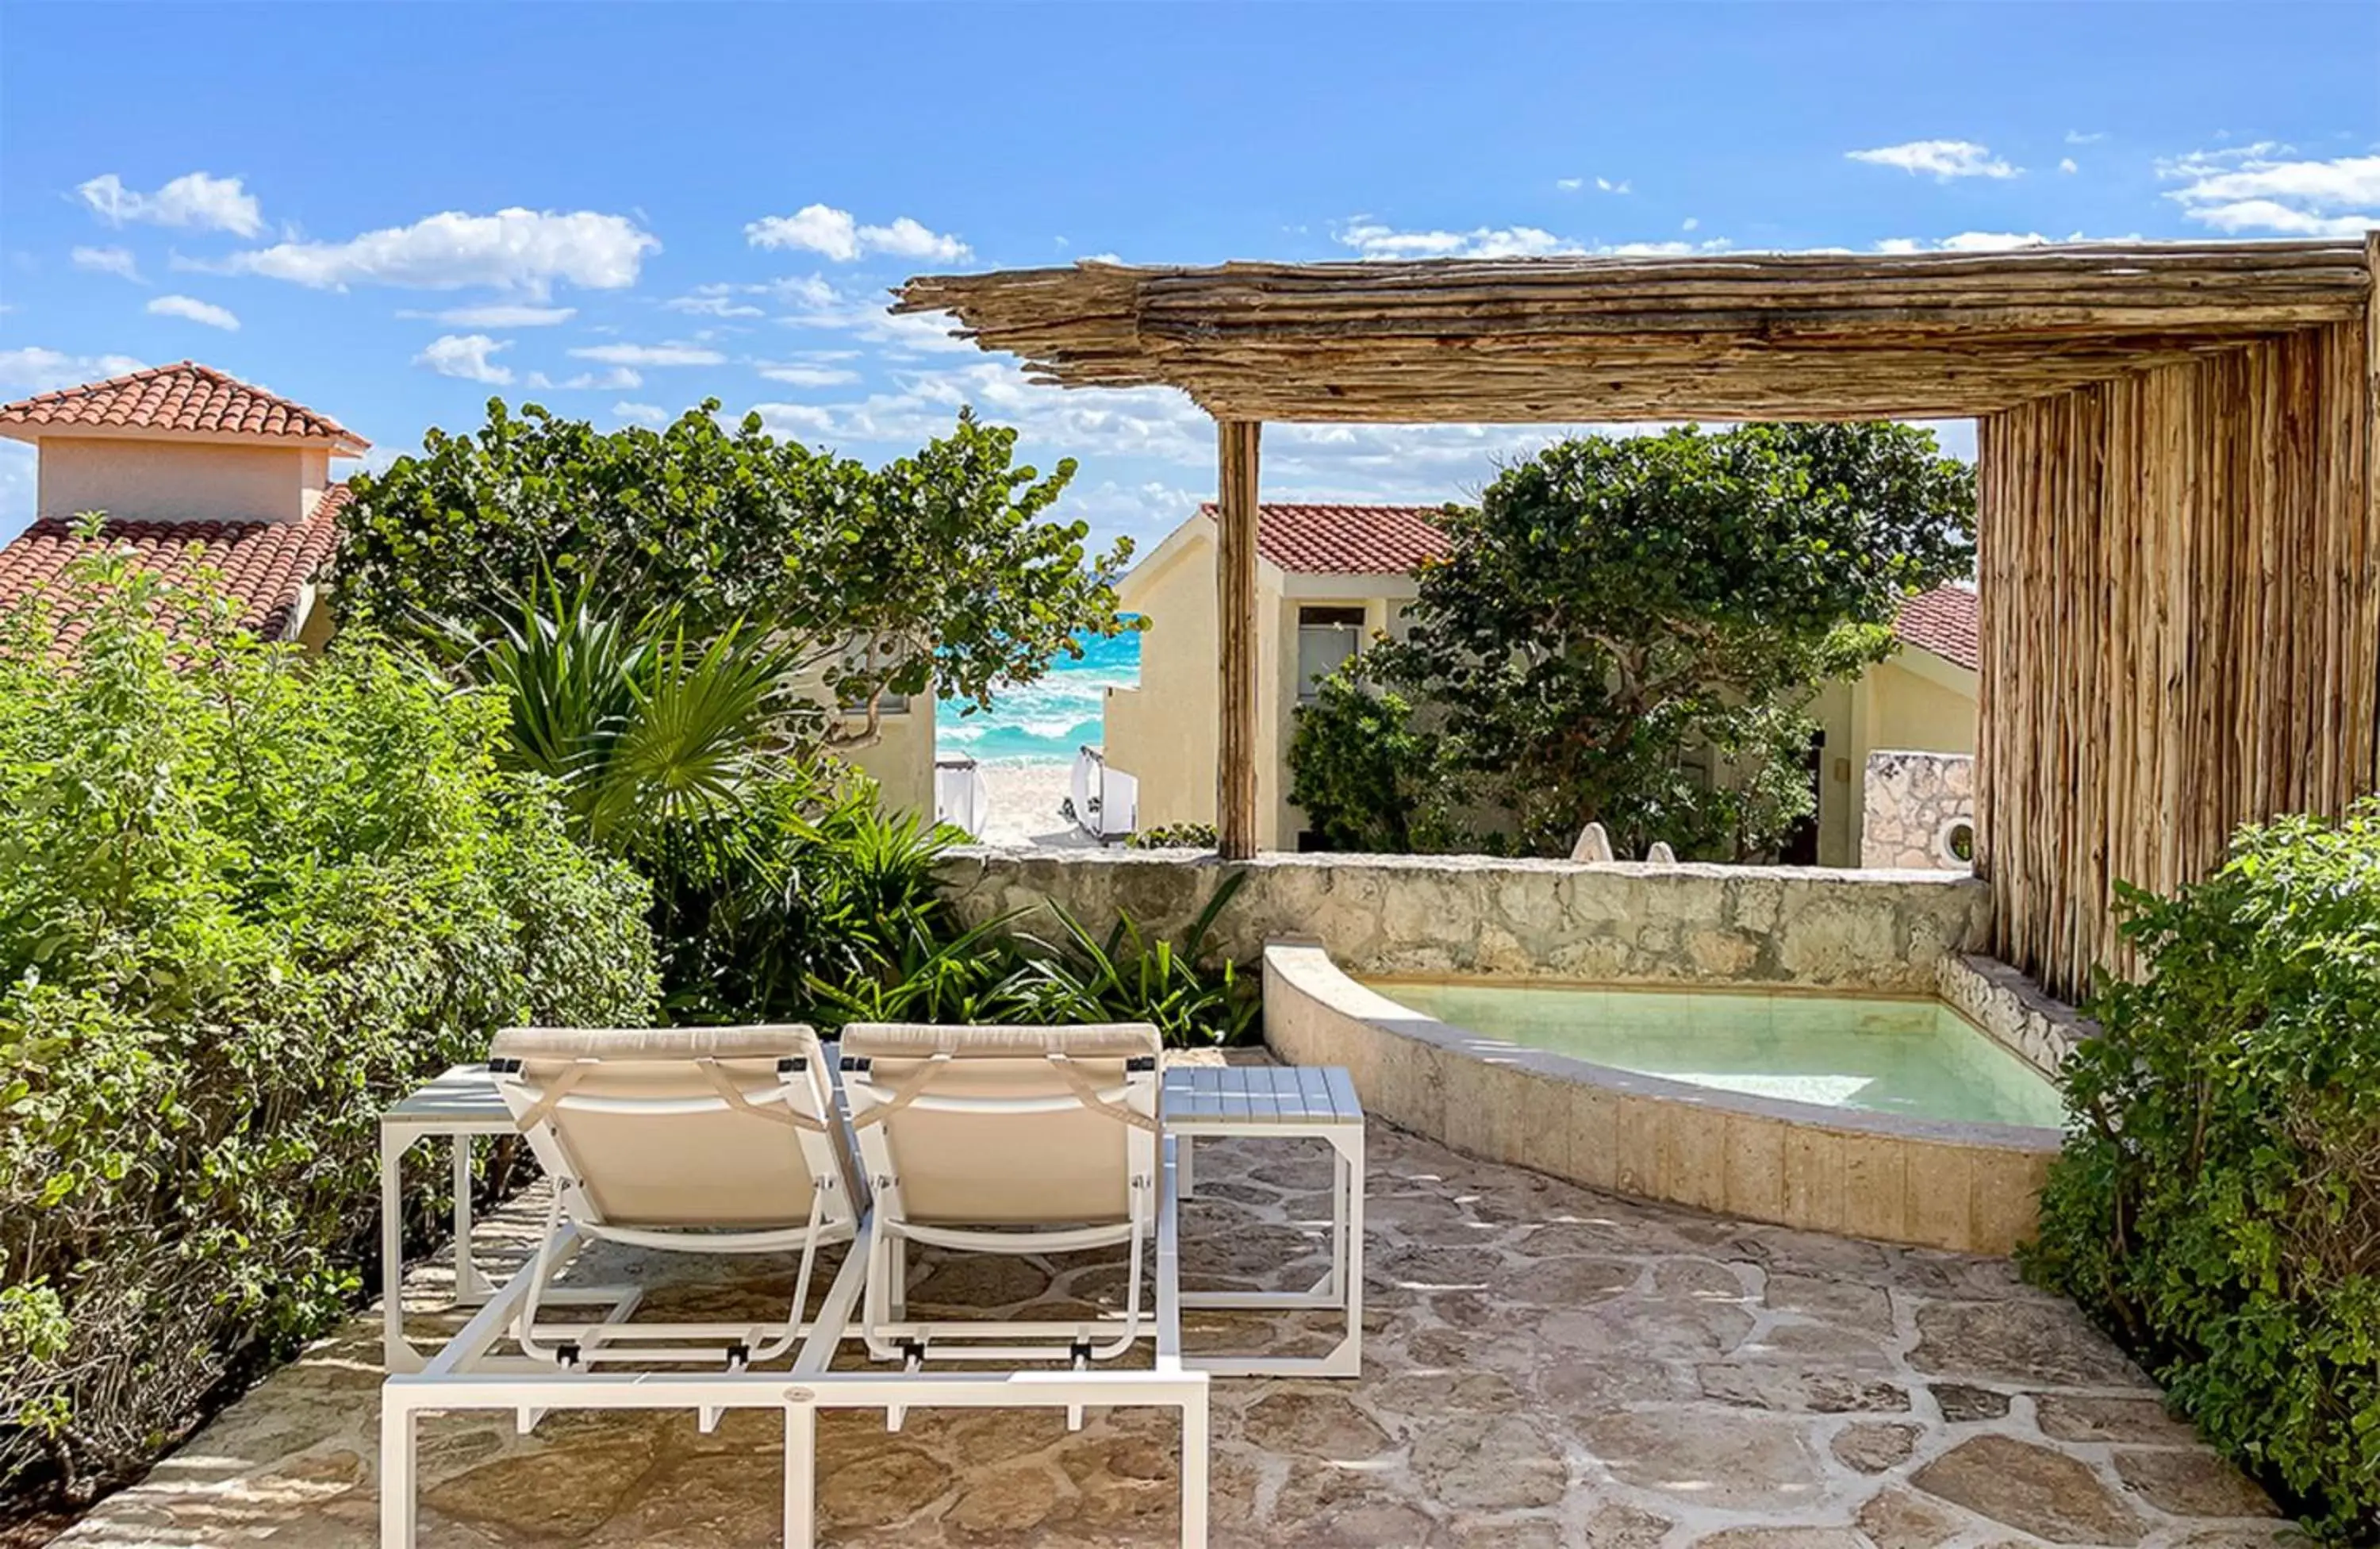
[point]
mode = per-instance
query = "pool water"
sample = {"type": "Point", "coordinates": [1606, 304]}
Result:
{"type": "Point", "coordinates": [1916, 1057]}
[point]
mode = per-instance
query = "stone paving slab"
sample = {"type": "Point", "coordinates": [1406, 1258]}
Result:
{"type": "Point", "coordinates": [1544, 1366]}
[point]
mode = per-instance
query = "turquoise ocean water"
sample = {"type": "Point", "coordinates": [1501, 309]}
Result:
{"type": "Point", "coordinates": [1044, 721]}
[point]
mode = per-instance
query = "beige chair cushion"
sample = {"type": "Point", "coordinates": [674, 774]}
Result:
{"type": "Point", "coordinates": [1069, 1167]}
{"type": "Point", "coordinates": [718, 1168]}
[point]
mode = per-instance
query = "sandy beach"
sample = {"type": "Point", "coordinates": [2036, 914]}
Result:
{"type": "Point", "coordinates": [1024, 802]}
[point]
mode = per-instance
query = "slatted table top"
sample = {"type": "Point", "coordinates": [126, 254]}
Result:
{"type": "Point", "coordinates": [464, 1099]}
{"type": "Point", "coordinates": [1216, 1097]}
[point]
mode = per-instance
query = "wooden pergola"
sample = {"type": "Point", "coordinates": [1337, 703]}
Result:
{"type": "Point", "coordinates": [2180, 522]}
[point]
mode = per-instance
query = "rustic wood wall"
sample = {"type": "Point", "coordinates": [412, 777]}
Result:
{"type": "Point", "coordinates": [2180, 628]}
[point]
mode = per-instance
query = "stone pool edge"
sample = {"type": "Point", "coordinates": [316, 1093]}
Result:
{"type": "Point", "coordinates": [1934, 1183]}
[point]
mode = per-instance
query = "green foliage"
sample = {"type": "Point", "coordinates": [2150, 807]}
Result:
{"type": "Point", "coordinates": [940, 572]}
{"type": "Point", "coordinates": [809, 884]}
{"type": "Point", "coordinates": [1625, 630]}
{"type": "Point", "coordinates": [640, 725]}
{"type": "Point", "coordinates": [245, 900]}
{"type": "Point", "coordinates": [1174, 835]}
{"type": "Point", "coordinates": [2217, 1204]}
{"type": "Point", "coordinates": [1365, 774]}
{"type": "Point", "coordinates": [993, 974]}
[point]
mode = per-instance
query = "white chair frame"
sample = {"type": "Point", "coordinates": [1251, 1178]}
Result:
{"type": "Point", "coordinates": [892, 1334]}
{"type": "Point", "coordinates": [460, 1377]}
{"type": "Point", "coordinates": [801, 1096]}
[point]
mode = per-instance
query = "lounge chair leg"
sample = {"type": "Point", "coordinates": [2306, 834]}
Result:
{"type": "Point", "coordinates": [801, 1465]}
{"type": "Point", "coordinates": [1181, 1169]}
{"type": "Point", "coordinates": [1193, 1472]}
{"type": "Point", "coordinates": [397, 1521]}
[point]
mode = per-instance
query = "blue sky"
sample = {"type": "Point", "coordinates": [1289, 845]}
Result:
{"type": "Point", "coordinates": [391, 212]}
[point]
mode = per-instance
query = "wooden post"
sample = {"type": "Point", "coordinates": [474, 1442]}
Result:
{"type": "Point", "coordinates": [1235, 630]}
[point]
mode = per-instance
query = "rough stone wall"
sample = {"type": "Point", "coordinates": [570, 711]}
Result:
{"type": "Point", "coordinates": [1912, 801]}
{"type": "Point", "coordinates": [2016, 1012]}
{"type": "Point", "coordinates": [1609, 922]}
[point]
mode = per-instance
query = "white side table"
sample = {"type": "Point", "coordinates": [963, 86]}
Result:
{"type": "Point", "coordinates": [460, 1105]}
{"type": "Point", "coordinates": [1281, 1102]}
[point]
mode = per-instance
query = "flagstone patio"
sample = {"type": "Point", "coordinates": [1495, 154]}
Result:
{"type": "Point", "coordinates": [1544, 1366]}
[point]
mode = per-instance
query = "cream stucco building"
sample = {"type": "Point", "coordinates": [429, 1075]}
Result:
{"type": "Point", "coordinates": [1329, 577]}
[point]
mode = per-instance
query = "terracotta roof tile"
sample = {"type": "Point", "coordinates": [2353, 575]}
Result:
{"type": "Point", "coordinates": [1346, 540]}
{"type": "Point", "coordinates": [185, 397]}
{"type": "Point", "coordinates": [263, 566]}
{"type": "Point", "coordinates": [1942, 621]}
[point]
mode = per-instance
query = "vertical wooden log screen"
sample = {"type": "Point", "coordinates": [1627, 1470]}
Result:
{"type": "Point", "coordinates": [2180, 628]}
{"type": "Point", "coordinates": [1235, 626]}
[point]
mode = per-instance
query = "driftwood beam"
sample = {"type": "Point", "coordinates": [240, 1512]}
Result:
{"type": "Point", "coordinates": [1235, 623]}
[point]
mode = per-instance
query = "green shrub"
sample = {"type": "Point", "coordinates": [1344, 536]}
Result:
{"type": "Point", "coordinates": [246, 899]}
{"type": "Point", "coordinates": [1174, 835]}
{"type": "Point", "coordinates": [2217, 1206]}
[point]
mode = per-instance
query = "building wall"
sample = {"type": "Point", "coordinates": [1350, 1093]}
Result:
{"type": "Point", "coordinates": [1163, 733]}
{"type": "Point", "coordinates": [170, 481]}
{"type": "Point", "coordinates": [900, 762]}
{"type": "Point", "coordinates": [1912, 701]}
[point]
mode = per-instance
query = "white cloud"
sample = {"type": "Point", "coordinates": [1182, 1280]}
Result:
{"type": "Point", "coordinates": [838, 235]}
{"type": "Point", "coordinates": [714, 300]}
{"type": "Point", "coordinates": [1375, 240]}
{"type": "Point", "coordinates": [2066, 164]}
{"type": "Point", "coordinates": [1989, 241]}
{"type": "Point", "coordinates": [643, 413]}
{"type": "Point", "coordinates": [1944, 159]}
{"type": "Point", "coordinates": [500, 314]}
{"type": "Point", "coordinates": [1570, 185]}
{"type": "Point", "coordinates": [1605, 185]}
{"type": "Point", "coordinates": [649, 355]}
{"type": "Point", "coordinates": [2076, 136]}
{"type": "Point", "coordinates": [1689, 223]}
{"type": "Point", "coordinates": [32, 369]}
{"type": "Point", "coordinates": [809, 376]}
{"type": "Point", "coordinates": [467, 356]}
{"type": "Point", "coordinates": [1372, 238]}
{"type": "Point", "coordinates": [514, 249]}
{"type": "Point", "coordinates": [2252, 189]}
{"type": "Point", "coordinates": [108, 261]}
{"type": "Point", "coordinates": [194, 199]}
{"type": "Point", "coordinates": [196, 310]}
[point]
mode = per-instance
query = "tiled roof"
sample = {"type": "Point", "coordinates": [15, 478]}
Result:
{"type": "Point", "coordinates": [182, 399]}
{"type": "Point", "coordinates": [263, 566]}
{"type": "Point", "coordinates": [1942, 621]}
{"type": "Point", "coordinates": [1346, 540]}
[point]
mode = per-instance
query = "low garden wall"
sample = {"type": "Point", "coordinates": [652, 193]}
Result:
{"type": "Point", "coordinates": [1605, 922]}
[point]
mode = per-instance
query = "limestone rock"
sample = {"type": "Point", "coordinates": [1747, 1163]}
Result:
{"type": "Point", "coordinates": [1489, 1463]}
{"type": "Point", "coordinates": [2018, 1342]}
{"type": "Point", "coordinates": [1317, 1425]}
{"type": "Point", "coordinates": [1872, 1446]}
{"type": "Point", "coordinates": [2031, 1489]}
{"type": "Point", "coordinates": [1961, 1403]}
{"type": "Point", "coordinates": [1898, 1519]}
{"type": "Point", "coordinates": [2191, 1483]}
{"type": "Point", "coordinates": [2081, 1417]}
{"type": "Point", "coordinates": [1754, 1462]}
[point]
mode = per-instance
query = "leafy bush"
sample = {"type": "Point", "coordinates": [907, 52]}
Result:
{"type": "Point", "coordinates": [994, 973]}
{"type": "Point", "coordinates": [942, 571]}
{"type": "Point", "coordinates": [1174, 835]}
{"type": "Point", "coordinates": [2218, 1206]}
{"type": "Point", "coordinates": [245, 900]}
{"type": "Point", "coordinates": [1625, 630]}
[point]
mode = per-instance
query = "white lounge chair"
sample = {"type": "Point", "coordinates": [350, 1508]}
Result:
{"type": "Point", "coordinates": [1006, 1139]}
{"type": "Point", "coordinates": [689, 1139]}
{"type": "Point", "coordinates": [728, 1141]}
{"type": "Point", "coordinates": [684, 1140]}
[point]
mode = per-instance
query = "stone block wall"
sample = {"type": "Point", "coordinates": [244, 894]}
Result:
{"type": "Point", "coordinates": [1913, 804]}
{"type": "Point", "coordinates": [1603, 922]}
